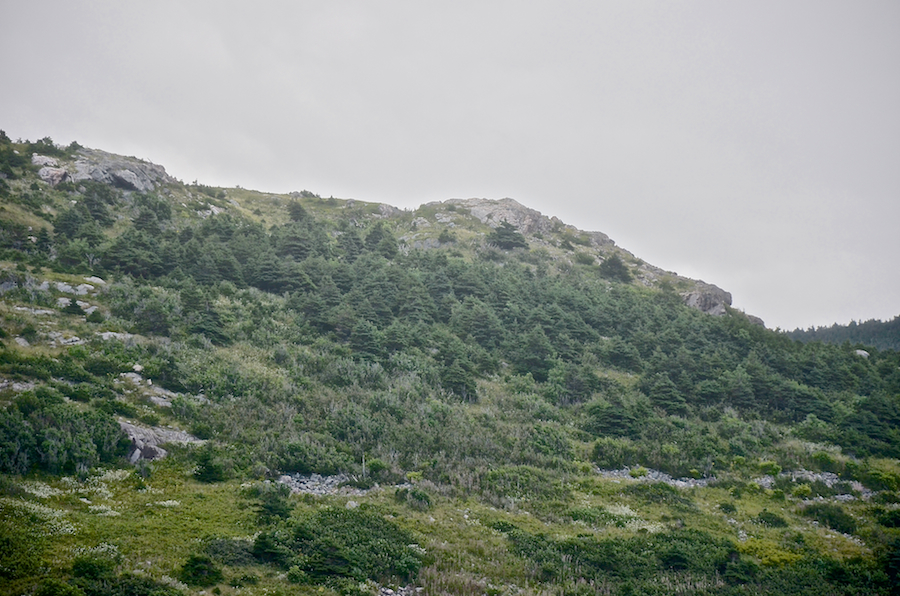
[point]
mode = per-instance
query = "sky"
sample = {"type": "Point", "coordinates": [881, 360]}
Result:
{"type": "Point", "coordinates": [751, 144]}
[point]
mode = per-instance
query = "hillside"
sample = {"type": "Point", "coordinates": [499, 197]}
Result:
{"type": "Point", "coordinates": [884, 335]}
{"type": "Point", "coordinates": [231, 390]}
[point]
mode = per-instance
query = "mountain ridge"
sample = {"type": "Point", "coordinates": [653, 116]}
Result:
{"type": "Point", "coordinates": [135, 174]}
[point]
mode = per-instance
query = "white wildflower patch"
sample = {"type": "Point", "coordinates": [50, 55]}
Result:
{"type": "Point", "coordinates": [40, 490]}
{"type": "Point", "coordinates": [112, 475]}
{"type": "Point", "coordinates": [103, 510]}
{"type": "Point", "coordinates": [171, 581]}
{"type": "Point", "coordinates": [101, 490]}
{"type": "Point", "coordinates": [51, 519]}
{"type": "Point", "coordinates": [622, 510]}
{"type": "Point", "coordinates": [639, 524]}
{"type": "Point", "coordinates": [104, 549]}
{"type": "Point", "coordinates": [169, 503]}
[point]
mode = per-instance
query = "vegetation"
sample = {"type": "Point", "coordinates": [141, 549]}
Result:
{"type": "Point", "coordinates": [479, 388]}
{"type": "Point", "coordinates": [884, 335]}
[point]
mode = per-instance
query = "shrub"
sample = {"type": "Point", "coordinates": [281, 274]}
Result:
{"type": "Point", "coordinates": [230, 551]}
{"type": "Point", "coordinates": [209, 467]}
{"type": "Point", "coordinates": [93, 567]}
{"type": "Point", "coordinates": [200, 570]}
{"type": "Point", "coordinates": [415, 497]}
{"type": "Point", "coordinates": [356, 543]}
{"type": "Point", "coordinates": [772, 520]}
{"type": "Point", "coordinates": [658, 492]}
{"type": "Point", "coordinates": [769, 468]}
{"type": "Point", "coordinates": [56, 587]}
{"type": "Point", "coordinates": [832, 516]}
{"type": "Point", "coordinates": [727, 507]}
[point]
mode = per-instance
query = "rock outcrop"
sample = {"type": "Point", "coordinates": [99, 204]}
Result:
{"type": "Point", "coordinates": [146, 441]}
{"type": "Point", "coordinates": [708, 298]}
{"type": "Point", "coordinates": [127, 173]}
{"type": "Point", "coordinates": [526, 220]}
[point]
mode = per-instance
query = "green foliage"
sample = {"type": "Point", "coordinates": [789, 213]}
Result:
{"type": "Point", "coordinates": [273, 501]}
{"type": "Point", "coordinates": [506, 237]}
{"type": "Point", "coordinates": [613, 268]}
{"type": "Point", "coordinates": [772, 520]}
{"type": "Point", "coordinates": [356, 543]}
{"type": "Point", "coordinates": [52, 586]}
{"type": "Point", "coordinates": [21, 551]}
{"type": "Point", "coordinates": [831, 515]}
{"type": "Point", "coordinates": [210, 467]}
{"type": "Point", "coordinates": [414, 497]}
{"type": "Point", "coordinates": [200, 570]}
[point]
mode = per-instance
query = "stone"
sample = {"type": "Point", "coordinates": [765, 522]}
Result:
{"type": "Point", "coordinates": [146, 441]}
{"type": "Point", "coordinates": [53, 176]}
{"type": "Point", "coordinates": [128, 180]}
{"type": "Point", "coordinates": [708, 298]}
{"type": "Point", "coordinates": [64, 287]}
{"type": "Point", "coordinates": [83, 289]}
{"type": "Point", "coordinates": [128, 173]}
{"type": "Point", "coordinates": [95, 280]}
{"type": "Point", "coordinates": [43, 160]}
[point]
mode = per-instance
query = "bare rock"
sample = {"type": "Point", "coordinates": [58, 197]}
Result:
{"type": "Point", "coordinates": [526, 220]}
{"type": "Point", "coordinates": [708, 298]}
{"type": "Point", "coordinates": [128, 173]}
{"type": "Point", "coordinates": [53, 176]}
{"type": "Point", "coordinates": [146, 441]}
{"type": "Point", "coordinates": [43, 160]}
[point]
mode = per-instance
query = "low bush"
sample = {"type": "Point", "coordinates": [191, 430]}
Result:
{"type": "Point", "coordinates": [772, 520]}
{"type": "Point", "coordinates": [200, 570]}
{"type": "Point", "coordinates": [832, 516]}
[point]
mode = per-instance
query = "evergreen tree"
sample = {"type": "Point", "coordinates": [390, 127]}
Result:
{"type": "Point", "coordinates": [507, 237]}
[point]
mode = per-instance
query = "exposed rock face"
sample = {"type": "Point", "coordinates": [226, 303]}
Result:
{"type": "Point", "coordinates": [146, 441]}
{"type": "Point", "coordinates": [708, 298]}
{"type": "Point", "coordinates": [528, 221]}
{"type": "Point", "coordinates": [52, 176]}
{"type": "Point", "coordinates": [43, 160]}
{"type": "Point", "coordinates": [128, 173]}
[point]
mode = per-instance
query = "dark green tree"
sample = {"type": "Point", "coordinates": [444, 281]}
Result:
{"type": "Point", "coordinates": [506, 237]}
{"type": "Point", "coordinates": [613, 268]}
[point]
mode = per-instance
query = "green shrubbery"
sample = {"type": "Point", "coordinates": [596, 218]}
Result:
{"type": "Point", "coordinates": [332, 543]}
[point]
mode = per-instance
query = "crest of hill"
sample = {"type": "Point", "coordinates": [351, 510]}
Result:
{"type": "Point", "coordinates": [433, 225]}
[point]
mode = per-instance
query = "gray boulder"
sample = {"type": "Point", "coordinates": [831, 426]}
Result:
{"type": "Point", "coordinates": [53, 176]}
{"type": "Point", "coordinates": [128, 173]}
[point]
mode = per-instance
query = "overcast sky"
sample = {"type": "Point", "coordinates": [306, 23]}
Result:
{"type": "Point", "coordinates": [754, 145]}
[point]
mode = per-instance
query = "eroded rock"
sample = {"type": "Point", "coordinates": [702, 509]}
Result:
{"type": "Point", "coordinates": [146, 441]}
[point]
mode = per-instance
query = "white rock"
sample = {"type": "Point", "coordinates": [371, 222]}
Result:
{"type": "Point", "coordinates": [52, 176]}
{"type": "Point", "coordinates": [43, 160]}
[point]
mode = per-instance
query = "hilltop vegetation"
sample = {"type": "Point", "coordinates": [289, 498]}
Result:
{"type": "Point", "coordinates": [884, 335]}
{"type": "Point", "coordinates": [480, 374]}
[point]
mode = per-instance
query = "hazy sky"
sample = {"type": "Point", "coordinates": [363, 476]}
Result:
{"type": "Point", "coordinates": [754, 145]}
